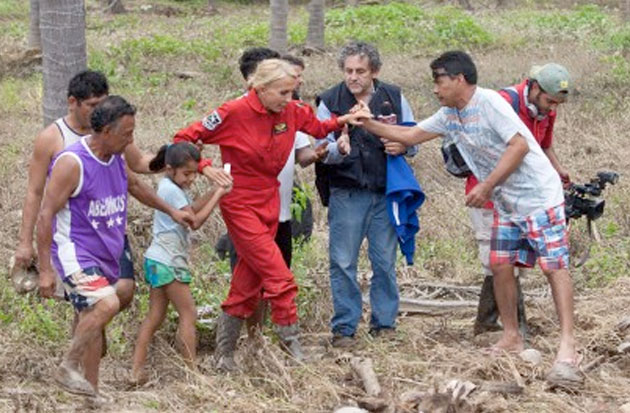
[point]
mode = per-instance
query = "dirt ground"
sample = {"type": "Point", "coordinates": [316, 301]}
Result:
{"type": "Point", "coordinates": [429, 350]}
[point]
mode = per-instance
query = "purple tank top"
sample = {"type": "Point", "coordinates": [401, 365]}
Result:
{"type": "Point", "coordinates": [89, 230]}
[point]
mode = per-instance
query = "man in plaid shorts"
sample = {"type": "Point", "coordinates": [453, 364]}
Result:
{"type": "Point", "coordinates": [516, 175]}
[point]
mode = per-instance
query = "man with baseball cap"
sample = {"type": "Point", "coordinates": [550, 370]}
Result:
{"type": "Point", "coordinates": [535, 100]}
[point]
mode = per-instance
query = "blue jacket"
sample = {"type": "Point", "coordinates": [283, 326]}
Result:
{"type": "Point", "coordinates": [404, 197]}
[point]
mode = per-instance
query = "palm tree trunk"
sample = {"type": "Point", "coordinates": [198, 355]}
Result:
{"type": "Point", "coordinates": [278, 25]}
{"type": "Point", "coordinates": [315, 35]}
{"type": "Point", "coordinates": [466, 4]}
{"type": "Point", "coordinates": [62, 25]}
{"type": "Point", "coordinates": [34, 36]}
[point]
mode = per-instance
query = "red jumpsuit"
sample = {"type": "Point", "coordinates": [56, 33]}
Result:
{"type": "Point", "coordinates": [257, 143]}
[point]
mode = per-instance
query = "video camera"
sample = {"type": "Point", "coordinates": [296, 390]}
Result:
{"type": "Point", "coordinates": [585, 199]}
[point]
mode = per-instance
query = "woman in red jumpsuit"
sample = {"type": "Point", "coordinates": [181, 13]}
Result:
{"type": "Point", "coordinates": [256, 134]}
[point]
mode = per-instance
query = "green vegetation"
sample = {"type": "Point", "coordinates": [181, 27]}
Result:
{"type": "Point", "coordinates": [444, 258]}
{"type": "Point", "coordinates": [164, 46]}
{"type": "Point", "coordinates": [409, 26]}
{"type": "Point", "coordinates": [618, 39]}
{"type": "Point", "coordinates": [32, 317]}
{"type": "Point", "coordinates": [17, 30]}
{"type": "Point", "coordinates": [141, 51]}
{"type": "Point", "coordinates": [299, 201]}
{"type": "Point", "coordinates": [14, 9]}
{"type": "Point", "coordinates": [607, 263]}
{"type": "Point", "coordinates": [13, 90]}
{"type": "Point", "coordinates": [397, 26]}
{"type": "Point", "coordinates": [582, 20]}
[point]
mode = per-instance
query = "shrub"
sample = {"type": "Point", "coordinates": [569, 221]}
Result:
{"type": "Point", "coordinates": [400, 25]}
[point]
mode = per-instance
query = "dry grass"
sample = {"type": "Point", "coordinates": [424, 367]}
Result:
{"type": "Point", "coordinates": [428, 351]}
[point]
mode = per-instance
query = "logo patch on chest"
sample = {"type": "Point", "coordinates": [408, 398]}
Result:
{"type": "Point", "coordinates": [211, 121]}
{"type": "Point", "coordinates": [279, 128]}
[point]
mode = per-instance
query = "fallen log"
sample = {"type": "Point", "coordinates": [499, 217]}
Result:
{"type": "Point", "coordinates": [419, 303]}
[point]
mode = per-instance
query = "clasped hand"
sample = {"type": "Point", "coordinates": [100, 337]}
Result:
{"type": "Point", "coordinates": [359, 113]}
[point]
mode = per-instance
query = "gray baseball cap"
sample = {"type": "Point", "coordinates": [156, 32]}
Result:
{"type": "Point", "coordinates": [553, 78]}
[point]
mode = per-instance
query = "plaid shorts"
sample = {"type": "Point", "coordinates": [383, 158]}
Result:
{"type": "Point", "coordinates": [541, 236]}
{"type": "Point", "coordinates": [87, 287]}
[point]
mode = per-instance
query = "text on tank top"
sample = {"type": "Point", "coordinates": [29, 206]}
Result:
{"type": "Point", "coordinates": [89, 230]}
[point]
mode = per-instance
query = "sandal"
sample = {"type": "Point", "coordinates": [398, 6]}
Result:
{"type": "Point", "coordinates": [566, 374]}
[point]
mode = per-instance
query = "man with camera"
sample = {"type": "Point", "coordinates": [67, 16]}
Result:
{"type": "Point", "coordinates": [355, 182]}
{"type": "Point", "coordinates": [535, 100]}
{"type": "Point", "coordinates": [514, 172]}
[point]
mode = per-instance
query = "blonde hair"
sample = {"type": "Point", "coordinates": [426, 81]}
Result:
{"type": "Point", "coordinates": [270, 70]}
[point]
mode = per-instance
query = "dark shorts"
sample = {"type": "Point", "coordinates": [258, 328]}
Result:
{"type": "Point", "coordinates": [126, 262]}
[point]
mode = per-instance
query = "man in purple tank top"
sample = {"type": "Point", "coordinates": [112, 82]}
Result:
{"type": "Point", "coordinates": [85, 91]}
{"type": "Point", "coordinates": [81, 232]}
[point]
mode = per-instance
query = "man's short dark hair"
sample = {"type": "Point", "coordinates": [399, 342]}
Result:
{"type": "Point", "coordinates": [87, 84]}
{"type": "Point", "coordinates": [109, 111]}
{"type": "Point", "coordinates": [360, 49]}
{"type": "Point", "coordinates": [294, 60]}
{"type": "Point", "coordinates": [456, 62]}
{"type": "Point", "coordinates": [251, 57]}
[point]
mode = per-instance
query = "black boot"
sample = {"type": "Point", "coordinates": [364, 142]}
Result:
{"type": "Point", "coordinates": [487, 311]}
{"type": "Point", "coordinates": [228, 332]}
{"type": "Point", "coordinates": [289, 337]}
{"type": "Point", "coordinates": [520, 303]}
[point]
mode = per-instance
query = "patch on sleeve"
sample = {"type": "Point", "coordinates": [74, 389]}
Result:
{"type": "Point", "coordinates": [211, 121]}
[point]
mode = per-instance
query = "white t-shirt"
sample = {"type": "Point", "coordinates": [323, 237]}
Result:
{"type": "Point", "coordinates": [481, 132]}
{"type": "Point", "coordinates": [286, 177]}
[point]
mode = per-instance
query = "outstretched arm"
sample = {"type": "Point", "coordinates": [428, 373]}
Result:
{"type": "Point", "coordinates": [403, 134]}
{"type": "Point", "coordinates": [320, 128]}
{"type": "Point", "coordinates": [63, 182]}
{"type": "Point", "coordinates": [209, 130]}
{"type": "Point", "coordinates": [203, 207]}
{"type": "Point", "coordinates": [137, 160]}
{"type": "Point", "coordinates": [147, 196]}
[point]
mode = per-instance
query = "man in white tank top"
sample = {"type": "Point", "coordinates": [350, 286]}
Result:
{"type": "Point", "coordinates": [85, 90]}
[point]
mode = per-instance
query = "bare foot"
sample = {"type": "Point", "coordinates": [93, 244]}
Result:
{"type": "Point", "coordinates": [567, 353]}
{"type": "Point", "coordinates": [138, 377]}
{"type": "Point", "coordinates": [73, 381]}
{"type": "Point", "coordinates": [509, 344]}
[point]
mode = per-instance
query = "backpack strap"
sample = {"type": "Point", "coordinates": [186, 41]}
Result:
{"type": "Point", "coordinates": [515, 100]}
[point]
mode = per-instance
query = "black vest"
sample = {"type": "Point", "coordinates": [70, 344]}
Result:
{"type": "Point", "coordinates": [366, 165]}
